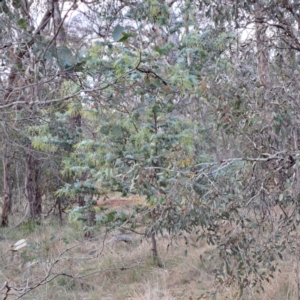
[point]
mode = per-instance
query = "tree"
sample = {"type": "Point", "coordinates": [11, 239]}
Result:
{"type": "Point", "coordinates": [193, 105]}
{"type": "Point", "coordinates": [149, 134]}
{"type": "Point", "coordinates": [36, 58]}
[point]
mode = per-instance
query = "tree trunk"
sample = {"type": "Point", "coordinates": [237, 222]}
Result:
{"type": "Point", "coordinates": [80, 201]}
{"type": "Point", "coordinates": [58, 203]}
{"type": "Point", "coordinates": [77, 125]}
{"type": "Point", "coordinates": [33, 192]}
{"type": "Point", "coordinates": [262, 47]}
{"type": "Point", "coordinates": [156, 257]}
{"type": "Point", "coordinates": [59, 30]}
{"type": "Point", "coordinates": [6, 209]}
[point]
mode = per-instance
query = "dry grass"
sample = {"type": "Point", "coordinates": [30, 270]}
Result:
{"type": "Point", "coordinates": [115, 200]}
{"type": "Point", "coordinates": [95, 264]}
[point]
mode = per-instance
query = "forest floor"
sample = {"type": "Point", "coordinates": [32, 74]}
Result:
{"type": "Point", "coordinates": [59, 263]}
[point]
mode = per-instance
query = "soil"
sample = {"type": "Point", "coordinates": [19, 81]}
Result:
{"type": "Point", "coordinates": [116, 202]}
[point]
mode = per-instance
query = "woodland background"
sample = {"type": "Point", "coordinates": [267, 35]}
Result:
{"type": "Point", "coordinates": [184, 112]}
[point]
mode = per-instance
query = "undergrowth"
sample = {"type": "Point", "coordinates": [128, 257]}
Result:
{"type": "Point", "coordinates": [61, 264]}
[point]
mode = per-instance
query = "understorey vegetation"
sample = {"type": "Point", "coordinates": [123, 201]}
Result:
{"type": "Point", "coordinates": [184, 112]}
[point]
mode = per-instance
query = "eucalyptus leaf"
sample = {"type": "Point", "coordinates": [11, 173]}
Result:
{"type": "Point", "coordinates": [105, 129]}
{"type": "Point", "coordinates": [117, 130]}
{"type": "Point", "coordinates": [22, 24]}
{"type": "Point", "coordinates": [118, 33]}
{"type": "Point", "coordinates": [65, 57]}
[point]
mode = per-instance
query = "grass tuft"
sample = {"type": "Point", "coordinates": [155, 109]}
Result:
{"type": "Point", "coordinates": [104, 268]}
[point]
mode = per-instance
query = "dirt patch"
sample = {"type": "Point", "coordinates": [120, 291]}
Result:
{"type": "Point", "coordinates": [116, 202]}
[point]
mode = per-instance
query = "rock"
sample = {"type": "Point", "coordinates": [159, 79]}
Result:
{"type": "Point", "coordinates": [122, 238]}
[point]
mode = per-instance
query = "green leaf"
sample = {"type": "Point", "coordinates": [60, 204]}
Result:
{"type": "Point", "coordinates": [111, 215]}
{"type": "Point", "coordinates": [125, 37]}
{"type": "Point", "coordinates": [65, 57]}
{"type": "Point", "coordinates": [117, 130]}
{"type": "Point", "coordinates": [22, 24]}
{"type": "Point", "coordinates": [65, 240]}
{"type": "Point", "coordinates": [79, 66]}
{"type": "Point", "coordinates": [118, 33]}
{"type": "Point", "coordinates": [105, 129]}
{"type": "Point", "coordinates": [53, 238]}
{"type": "Point", "coordinates": [16, 3]}
{"type": "Point", "coordinates": [159, 50]}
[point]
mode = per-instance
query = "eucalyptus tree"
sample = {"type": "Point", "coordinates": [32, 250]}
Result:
{"type": "Point", "coordinates": [243, 66]}
{"type": "Point", "coordinates": [256, 109]}
{"type": "Point", "coordinates": [33, 68]}
{"type": "Point", "coordinates": [143, 128]}
{"type": "Point", "coordinates": [192, 104]}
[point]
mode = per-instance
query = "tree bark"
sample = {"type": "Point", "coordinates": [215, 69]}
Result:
{"type": "Point", "coordinates": [7, 203]}
{"type": "Point", "coordinates": [59, 30]}
{"type": "Point", "coordinates": [14, 72]}
{"type": "Point", "coordinates": [32, 188]}
{"type": "Point", "coordinates": [262, 47]}
{"type": "Point", "coordinates": [156, 257]}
